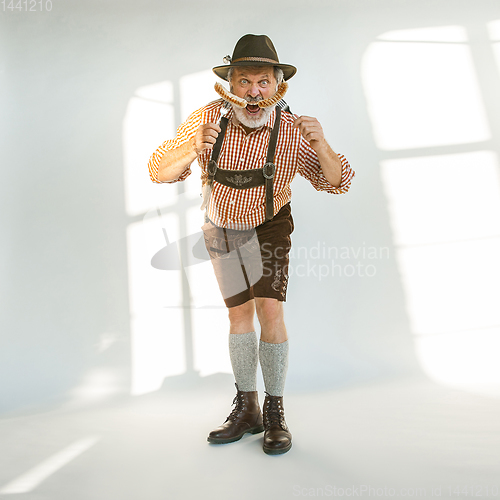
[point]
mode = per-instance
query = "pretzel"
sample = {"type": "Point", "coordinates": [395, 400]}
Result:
{"type": "Point", "coordinates": [242, 103]}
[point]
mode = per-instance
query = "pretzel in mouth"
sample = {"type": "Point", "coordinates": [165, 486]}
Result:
{"type": "Point", "coordinates": [242, 103]}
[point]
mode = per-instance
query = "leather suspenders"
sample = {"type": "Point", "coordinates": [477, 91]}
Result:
{"type": "Point", "coordinates": [246, 179]}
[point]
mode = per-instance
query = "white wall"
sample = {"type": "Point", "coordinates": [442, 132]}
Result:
{"type": "Point", "coordinates": [67, 77]}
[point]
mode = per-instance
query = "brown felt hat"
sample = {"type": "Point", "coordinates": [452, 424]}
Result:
{"type": "Point", "coordinates": [254, 50]}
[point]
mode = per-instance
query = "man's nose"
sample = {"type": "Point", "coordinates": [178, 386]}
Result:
{"type": "Point", "coordinates": [254, 90]}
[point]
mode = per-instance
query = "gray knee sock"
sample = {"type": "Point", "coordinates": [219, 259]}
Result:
{"type": "Point", "coordinates": [274, 364]}
{"type": "Point", "coordinates": [244, 354]}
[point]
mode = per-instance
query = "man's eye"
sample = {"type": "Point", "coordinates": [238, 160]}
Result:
{"type": "Point", "coordinates": [243, 82]}
{"type": "Point", "coordinates": [264, 83]}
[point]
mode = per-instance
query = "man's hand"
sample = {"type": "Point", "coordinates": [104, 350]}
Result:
{"type": "Point", "coordinates": [311, 130]}
{"type": "Point", "coordinates": [205, 137]}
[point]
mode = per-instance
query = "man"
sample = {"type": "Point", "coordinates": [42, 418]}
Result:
{"type": "Point", "coordinates": [248, 159]}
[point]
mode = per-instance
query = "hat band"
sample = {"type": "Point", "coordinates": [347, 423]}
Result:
{"type": "Point", "coordinates": [256, 59]}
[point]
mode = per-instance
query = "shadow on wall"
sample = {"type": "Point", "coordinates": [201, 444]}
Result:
{"type": "Point", "coordinates": [438, 225]}
{"type": "Point", "coordinates": [84, 320]}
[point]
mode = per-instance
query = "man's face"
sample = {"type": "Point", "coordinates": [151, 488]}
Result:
{"type": "Point", "coordinates": [253, 84]}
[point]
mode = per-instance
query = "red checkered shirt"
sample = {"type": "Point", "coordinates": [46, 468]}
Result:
{"type": "Point", "coordinates": [231, 207]}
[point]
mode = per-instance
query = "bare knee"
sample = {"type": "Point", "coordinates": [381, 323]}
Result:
{"type": "Point", "coordinates": [269, 311]}
{"type": "Point", "coordinates": [241, 317]}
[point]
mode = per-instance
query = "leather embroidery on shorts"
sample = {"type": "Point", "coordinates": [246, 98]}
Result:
{"type": "Point", "coordinates": [275, 285]}
{"type": "Point", "coordinates": [280, 281]}
{"type": "Point", "coordinates": [285, 284]}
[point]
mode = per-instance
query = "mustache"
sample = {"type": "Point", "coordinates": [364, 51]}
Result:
{"type": "Point", "coordinates": [248, 98]}
{"type": "Point", "coordinates": [253, 99]}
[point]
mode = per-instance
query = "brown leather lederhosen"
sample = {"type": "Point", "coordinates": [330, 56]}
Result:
{"type": "Point", "coordinates": [246, 179]}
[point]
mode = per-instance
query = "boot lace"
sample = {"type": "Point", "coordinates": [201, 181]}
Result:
{"type": "Point", "coordinates": [239, 405]}
{"type": "Point", "coordinates": [274, 414]}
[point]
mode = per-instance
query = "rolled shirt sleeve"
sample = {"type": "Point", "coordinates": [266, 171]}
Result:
{"type": "Point", "coordinates": [185, 133]}
{"type": "Point", "coordinates": [310, 168]}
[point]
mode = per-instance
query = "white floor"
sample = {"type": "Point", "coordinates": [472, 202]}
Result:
{"type": "Point", "coordinates": [397, 439]}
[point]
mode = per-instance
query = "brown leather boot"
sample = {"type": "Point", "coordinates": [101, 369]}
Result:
{"type": "Point", "coordinates": [277, 437]}
{"type": "Point", "coordinates": [245, 417]}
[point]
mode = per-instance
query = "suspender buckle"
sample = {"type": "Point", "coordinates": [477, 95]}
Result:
{"type": "Point", "coordinates": [268, 170]}
{"type": "Point", "coordinates": [211, 168]}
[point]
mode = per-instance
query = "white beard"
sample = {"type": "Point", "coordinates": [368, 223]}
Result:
{"type": "Point", "coordinates": [250, 121]}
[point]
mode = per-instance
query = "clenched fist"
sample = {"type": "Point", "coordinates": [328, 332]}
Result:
{"type": "Point", "coordinates": [205, 137]}
{"type": "Point", "coordinates": [311, 130]}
